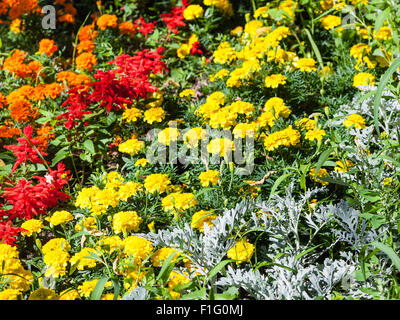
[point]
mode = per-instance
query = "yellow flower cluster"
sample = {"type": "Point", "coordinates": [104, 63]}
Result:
{"type": "Point", "coordinates": [13, 276]}
{"type": "Point", "coordinates": [178, 202]}
{"type": "Point", "coordinates": [99, 200]}
{"type": "Point", "coordinates": [56, 257]}
{"type": "Point", "coordinates": [126, 221]}
{"type": "Point", "coordinates": [210, 177]}
{"type": "Point", "coordinates": [287, 137]}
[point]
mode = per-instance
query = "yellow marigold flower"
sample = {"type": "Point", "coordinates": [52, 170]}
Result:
{"type": "Point", "coordinates": [358, 50]}
{"type": "Point", "coordinates": [69, 294]}
{"type": "Point", "coordinates": [156, 114]}
{"type": "Point", "coordinates": [157, 182]}
{"type": "Point", "coordinates": [207, 109]}
{"type": "Point", "coordinates": [210, 177]}
{"type": "Point", "coordinates": [176, 279]}
{"type": "Point", "coordinates": [31, 226]}
{"type": "Point", "coordinates": [194, 135]}
{"type": "Point", "coordinates": [60, 217]}
{"type": "Point", "coordinates": [321, 173]}
{"type": "Point", "coordinates": [44, 294]}
{"type": "Point", "coordinates": [113, 243]}
{"type": "Point", "coordinates": [305, 124]}
{"type": "Point", "coordinates": [241, 107]}
{"type": "Point", "coordinates": [177, 202]}
{"type": "Point", "coordinates": [80, 258]}
{"type": "Point", "coordinates": [87, 287]}
{"type": "Point", "coordinates": [139, 247]}
{"type": "Point", "coordinates": [217, 98]}
{"type": "Point", "coordinates": [141, 162]}
{"type": "Point", "coordinates": [131, 146]}
{"type": "Point", "coordinates": [183, 51]}
{"type": "Point", "coordinates": [354, 119]}
{"type": "Point", "coordinates": [192, 12]}
{"type": "Point", "coordinates": [128, 190]}
{"type": "Point", "coordinates": [241, 252]}
{"type": "Point", "coordinates": [221, 146]}
{"type": "Point", "coordinates": [261, 12]}
{"type": "Point", "coordinates": [387, 181]}
{"type": "Point", "coordinates": [126, 221]}
{"type": "Point", "coordinates": [224, 53]}
{"type": "Point", "coordinates": [287, 137]}
{"type": "Point", "coordinates": [266, 119]}
{"type": "Point", "coordinates": [168, 135]}
{"type": "Point", "coordinates": [10, 294]}
{"type": "Point", "coordinates": [56, 244]}
{"type": "Point", "coordinates": [343, 167]}
{"type": "Point", "coordinates": [274, 80]}
{"type": "Point", "coordinates": [315, 134]}
{"type": "Point", "coordinates": [186, 93]}
{"type": "Point", "coordinates": [330, 21]}
{"type": "Point", "coordinates": [363, 79]}
{"type": "Point", "coordinates": [56, 262]}
{"type": "Point", "coordinates": [242, 130]}
{"type": "Point", "coordinates": [200, 218]}
{"type": "Point", "coordinates": [162, 254]}
{"type": "Point", "coordinates": [223, 118]}
{"type": "Point", "coordinates": [384, 33]}
{"type": "Point", "coordinates": [305, 64]}
{"type": "Point", "coordinates": [277, 107]}
{"type": "Point", "coordinates": [132, 114]}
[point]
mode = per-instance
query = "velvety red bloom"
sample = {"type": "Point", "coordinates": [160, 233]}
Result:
{"type": "Point", "coordinates": [29, 200]}
{"type": "Point", "coordinates": [26, 202]}
{"type": "Point", "coordinates": [144, 27]}
{"type": "Point", "coordinates": [24, 151]}
{"type": "Point", "coordinates": [76, 103]}
{"type": "Point", "coordinates": [175, 19]}
{"type": "Point", "coordinates": [8, 233]}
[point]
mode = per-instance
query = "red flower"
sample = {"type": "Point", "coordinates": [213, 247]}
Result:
{"type": "Point", "coordinates": [143, 27]}
{"type": "Point", "coordinates": [29, 201]}
{"type": "Point", "coordinates": [196, 49]}
{"type": "Point", "coordinates": [175, 19]}
{"type": "Point", "coordinates": [8, 234]}
{"type": "Point", "coordinates": [24, 151]}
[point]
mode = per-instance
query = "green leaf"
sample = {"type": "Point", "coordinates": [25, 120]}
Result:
{"type": "Point", "coordinates": [166, 268]}
{"type": "Point", "coordinates": [195, 295]}
{"type": "Point", "coordinates": [60, 155]}
{"type": "Point", "coordinates": [217, 269]}
{"type": "Point", "coordinates": [98, 289]}
{"type": "Point", "coordinates": [297, 257]}
{"type": "Point", "coordinates": [278, 182]}
{"type": "Point", "coordinates": [315, 49]}
{"type": "Point", "coordinates": [389, 251]}
{"type": "Point", "coordinates": [229, 294]}
{"type": "Point", "coordinates": [382, 17]}
{"type": "Point", "coordinates": [89, 146]}
{"type": "Point", "coordinates": [382, 84]}
{"type": "Point", "coordinates": [322, 159]}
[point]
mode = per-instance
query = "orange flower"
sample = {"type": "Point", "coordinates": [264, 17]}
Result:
{"type": "Point", "coordinates": [35, 67]}
{"type": "Point", "coordinates": [22, 92]}
{"type": "Point", "coordinates": [67, 18]}
{"type": "Point", "coordinates": [7, 132]}
{"type": "Point", "coordinates": [22, 111]}
{"type": "Point", "coordinates": [107, 20]}
{"type": "Point", "coordinates": [127, 27]}
{"type": "Point", "coordinates": [73, 79]}
{"type": "Point", "coordinates": [86, 45]}
{"type": "Point", "coordinates": [44, 135]}
{"type": "Point", "coordinates": [47, 47]}
{"type": "Point", "coordinates": [87, 33]}
{"type": "Point", "coordinates": [53, 90]}
{"type": "Point", "coordinates": [86, 60]}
